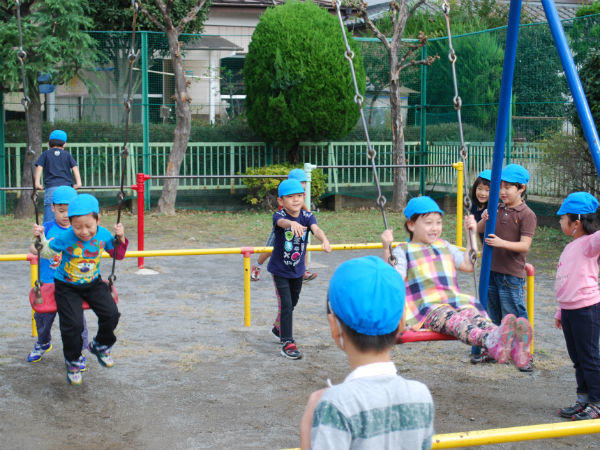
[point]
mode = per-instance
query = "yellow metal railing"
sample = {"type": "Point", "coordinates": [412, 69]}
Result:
{"type": "Point", "coordinates": [512, 434]}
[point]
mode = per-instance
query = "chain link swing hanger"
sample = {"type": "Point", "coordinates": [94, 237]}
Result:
{"type": "Point", "coordinates": [464, 154]}
{"type": "Point", "coordinates": [358, 99]}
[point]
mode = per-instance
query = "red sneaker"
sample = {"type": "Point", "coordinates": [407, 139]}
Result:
{"type": "Point", "coordinates": [255, 273]}
{"type": "Point", "coordinates": [309, 276]}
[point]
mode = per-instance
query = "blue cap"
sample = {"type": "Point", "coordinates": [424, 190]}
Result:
{"type": "Point", "coordinates": [62, 195]}
{"type": "Point", "coordinates": [297, 174]}
{"type": "Point", "coordinates": [421, 205]}
{"type": "Point", "coordinates": [578, 203]}
{"type": "Point", "coordinates": [367, 294]}
{"type": "Point", "coordinates": [58, 135]}
{"type": "Point", "coordinates": [289, 187]}
{"type": "Point", "coordinates": [486, 174]}
{"type": "Point", "coordinates": [83, 204]}
{"type": "Point", "coordinates": [514, 173]}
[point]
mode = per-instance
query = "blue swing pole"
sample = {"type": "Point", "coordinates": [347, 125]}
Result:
{"type": "Point", "coordinates": [508, 70]}
{"type": "Point", "coordinates": [581, 104]}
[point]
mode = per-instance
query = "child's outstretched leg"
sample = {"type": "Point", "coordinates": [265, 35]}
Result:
{"type": "Point", "coordinates": [498, 341]}
{"type": "Point", "coordinates": [277, 323]}
{"type": "Point", "coordinates": [100, 300]}
{"type": "Point", "coordinates": [520, 351]}
{"type": "Point", "coordinates": [43, 323]}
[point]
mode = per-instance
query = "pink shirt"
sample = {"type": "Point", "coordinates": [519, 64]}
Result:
{"type": "Point", "coordinates": [576, 284]}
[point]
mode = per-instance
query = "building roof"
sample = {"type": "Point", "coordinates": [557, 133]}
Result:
{"type": "Point", "coordinates": [210, 43]}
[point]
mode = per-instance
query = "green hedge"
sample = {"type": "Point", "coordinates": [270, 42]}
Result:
{"type": "Point", "coordinates": [234, 131]}
{"type": "Point", "coordinates": [262, 192]}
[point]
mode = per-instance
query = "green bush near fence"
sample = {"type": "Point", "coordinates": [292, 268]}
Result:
{"type": "Point", "coordinates": [262, 192]}
{"type": "Point", "coordinates": [233, 131]}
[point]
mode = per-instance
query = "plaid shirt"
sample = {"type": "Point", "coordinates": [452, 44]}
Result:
{"type": "Point", "coordinates": [431, 282]}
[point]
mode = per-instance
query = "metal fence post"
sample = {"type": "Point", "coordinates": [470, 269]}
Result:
{"type": "Point", "coordinates": [145, 113]}
{"type": "Point", "coordinates": [423, 171]}
{"type": "Point", "coordinates": [2, 157]}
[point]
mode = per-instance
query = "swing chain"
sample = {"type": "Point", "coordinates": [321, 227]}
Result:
{"type": "Point", "coordinates": [464, 153]}
{"type": "Point", "coordinates": [131, 58]}
{"type": "Point", "coordinates": [26, 102]}
{"type": "Point", "coordinates": [358, 99]}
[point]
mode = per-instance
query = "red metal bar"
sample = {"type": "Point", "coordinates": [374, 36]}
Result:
{"type": "Point", "coordinates": [140, 187]}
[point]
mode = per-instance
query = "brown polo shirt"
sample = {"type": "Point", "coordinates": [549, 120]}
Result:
{"type": "Point", "coordinates": [511, 224]}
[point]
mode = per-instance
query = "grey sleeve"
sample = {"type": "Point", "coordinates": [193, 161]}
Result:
{"type": "Point", "coordinates": [458, 255]}
{"type": "Point", "coordinates": [401, 265]}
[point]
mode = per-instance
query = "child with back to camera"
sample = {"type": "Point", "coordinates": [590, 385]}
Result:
{"type": "Point", "coordinates": [43, 321]}
{"type": "Point", "coordinates": [428, 265]}
{"type": "Point", "coordinates": [480, 193]}
{"type": "Point", "coordinates": [291, 226]}
{"type": "Point", "coordinates": [77, 278]}
{"type": "Point", "coordinates": [515, 227]}
{"type": "Point", "coordinates": [374, 407]}
{"type": "Point", "coordinates": [57, 164]}
{"type": "Point", "coordinates": [578, 296]}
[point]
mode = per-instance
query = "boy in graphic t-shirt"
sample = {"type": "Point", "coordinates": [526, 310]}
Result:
{"type": "Point", "coordinates": [291, 225]}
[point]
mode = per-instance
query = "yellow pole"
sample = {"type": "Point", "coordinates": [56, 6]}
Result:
{"type": "Point", "coordinates": [530, 297]}
{"type": "Point", "coordinates": [33, 266]}
{"type": "Point", "coordinates": [459, 201]}
{"type": "Point", "coordinates": [246, 252]}
{"type": "Point", "coordinates": [513, 434]}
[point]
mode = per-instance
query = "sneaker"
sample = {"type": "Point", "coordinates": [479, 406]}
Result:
{"type": "Point", "coordinates": [102, 352]}
{"type": "Point", "coordinates": [499, 342]}
{"type": "Point", "coordinates": [519, 351]}
{"type": "Point", "coordinates": [255, 273]}
{"type": "Point", "coordinates": [482, 358]}
{"type": "Point", "coordinates": [290, 351]}
{"type": "Point", "coordinates": [570, 411]}
{"type": "Point", "coordinates": [82, 362]}
{"type": "Point", "coordinates": [591, 411]}
{"type": "Point", "coordinates": [527, 367]}
{"type": "Point", "coordinates": [73, 373]}
{"type": "Point", "coordinates": [38, 351]}
{"type": "Point", "coordinates": [308, 276]}
{"type": "Point", "coordinates": [275, 332]}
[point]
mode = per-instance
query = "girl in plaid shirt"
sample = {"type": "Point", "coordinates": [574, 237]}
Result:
{"type": "Point", "coordinates": [428, 265]}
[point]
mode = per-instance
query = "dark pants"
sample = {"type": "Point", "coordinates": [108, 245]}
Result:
{"type": "Point", "coordinates": [505, 296]}
{"type": "Point", "coordinates": [581, 328]}
{"type": "Point", "coordinates": [43, 323]}
{"type": "Point", "coordinates": [289, 291]}
{"type": "Point", "coordinates": [69, 298]}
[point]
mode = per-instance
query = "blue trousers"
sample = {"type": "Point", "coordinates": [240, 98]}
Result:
{"type": "Point", "coordinates": [581, 328]}
{"type": "Point", "coordinates": [505, 296]}
{"type": "Point", "coordinates": [43, 323]}
{"type": "Point", "coordinates": [48, 213]}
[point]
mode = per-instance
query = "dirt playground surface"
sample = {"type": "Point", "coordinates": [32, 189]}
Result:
{"type": "Point", "coordinates": [189, 375]}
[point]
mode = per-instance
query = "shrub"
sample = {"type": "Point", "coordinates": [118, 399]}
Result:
{"type": "Point", "coordinates": [262, 192]}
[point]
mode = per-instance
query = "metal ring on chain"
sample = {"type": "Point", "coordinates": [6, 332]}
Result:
{"type": "Point", "coordinates": [358, 99]}
{"type": "Point", "coordinates": [457, 102]}
{"type": "Point", "coordinates": [349, 55]}
{"type": "Point", "coordinates": [371, 153]}
{"type": "Point", "coordinates": [446, 8]}
{"type": "Point", "coordinates": [381, 201]}
{"type": "Point", "coordinates": [452, 56]}
{"type": "Point", "coordinates": [22, 55]}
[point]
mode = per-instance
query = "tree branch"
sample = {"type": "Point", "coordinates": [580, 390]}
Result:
{"type": "Point", "coordinates": [412, 47]}
{"type": "Point", "coordinates": [156, 23]}
{"type": "Point", "coordinates": [425, 62]}
{"type": "Point", "coordinates": [361, 8]}
{"type": "Point", "coordinates": [191, 15]}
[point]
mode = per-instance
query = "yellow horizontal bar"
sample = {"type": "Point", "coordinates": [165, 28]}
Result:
{"type": "Point", "coordinates": [513, 434]}
{"type": "Point", "coordinates": [212, 251]}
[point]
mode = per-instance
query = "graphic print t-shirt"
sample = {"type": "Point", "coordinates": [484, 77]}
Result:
{"type": "Point", "coordinates": [48, 266]}
{"type": "Point", "coordinates": [287, 259]}
{"type": "Point", "coordinates": [80, 260]}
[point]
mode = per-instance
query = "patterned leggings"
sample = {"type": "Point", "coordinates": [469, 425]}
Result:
{"type": "Point", "coordinates": [277, 322]}
{"type": "Point", "coordinates": [466, 324]}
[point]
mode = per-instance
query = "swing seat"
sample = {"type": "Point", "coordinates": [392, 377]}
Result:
{"type": "Point", "coordinates": [422, 335]}
{"type": "Point", "coordinates": [48, 304]}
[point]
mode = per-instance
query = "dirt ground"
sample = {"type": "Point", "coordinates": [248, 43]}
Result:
{"type": "Point", "coordinates": [189, 375]}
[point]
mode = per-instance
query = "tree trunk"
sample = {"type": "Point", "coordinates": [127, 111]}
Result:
{"type": "Point", "coordinates": [24, 206]}
{"type": "Point", "coordinates": [294, 153]}
{"type": "Point", "coordinates": [183, 115]}
{"type": "Point", "coordinates": [398, 149]}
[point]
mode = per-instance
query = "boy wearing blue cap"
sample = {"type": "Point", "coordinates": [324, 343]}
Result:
{"type": "Point", "coordinates": [291, 225]}
{"type": "Point", "coordinates": [57, 164]}
{"type": "Point", "coordinates": [515, 227]}
{"type": "Point", "coordinates": [374, 407]}
{"type": "Point", "coordinates": [43, 321]}
{"type": "Point", "coordinates": [578, 298]}
{"type": "Point", "coordinates": [294, 174]}
{"type": "Point", "coordinates": [77, 278]}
